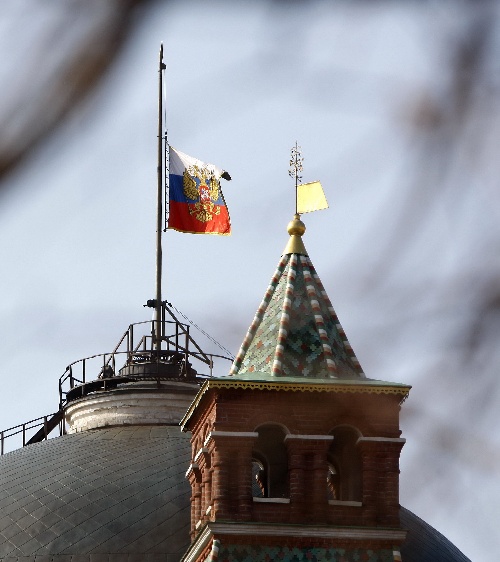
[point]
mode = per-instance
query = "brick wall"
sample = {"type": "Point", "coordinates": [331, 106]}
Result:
{"type": "Point", "coordinates": [225, 429]}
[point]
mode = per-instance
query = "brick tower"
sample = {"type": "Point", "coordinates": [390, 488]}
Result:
{"type": "Point", "coordinates": [295, 454]}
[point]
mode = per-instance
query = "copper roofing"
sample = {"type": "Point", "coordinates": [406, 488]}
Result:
{"type": "Point", "coordinates": [296, 332]}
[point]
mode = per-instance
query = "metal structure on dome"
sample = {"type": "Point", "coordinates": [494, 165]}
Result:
{"type": "Point", "coordinates": [139, 356]}
{"type": "Point", "coordinates": [161, 349]}
{"type": "Point", "coordinates": [136, 357]}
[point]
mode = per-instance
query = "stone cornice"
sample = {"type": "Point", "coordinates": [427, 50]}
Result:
{"type": "Point", "coordinates": [212, 529]}
{"type": "Point", "coordinates": [383, 439]}
{"type": "Point", "coordinates": [233, 434]}
{"type": "Point", "coordinates": [290, 436]}
{"type": "Point", "coordinates": [365, 386]}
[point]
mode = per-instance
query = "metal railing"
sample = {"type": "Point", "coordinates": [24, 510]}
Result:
{"type": "Point", "coordinates": [138, 355]}
{"type": "Point", "coordinates": [137, 346]}
{"type": "Point", "coordinates": [22, 430]}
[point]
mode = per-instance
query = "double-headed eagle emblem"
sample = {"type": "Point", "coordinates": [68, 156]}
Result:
{"type": "Point", "coordinates": [202, 186]}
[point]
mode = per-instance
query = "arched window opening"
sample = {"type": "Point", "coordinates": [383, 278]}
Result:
{"type": "Point", "coordinates": [344, 466]}
{"type": "Point", "coordinates": [204, 435]}
{"type": "Point", "coordinates": [270, 463]}
{"type": "Point", "coordinates": [259, 479]}
{"type": "Point", "coordinates": [332, 481]}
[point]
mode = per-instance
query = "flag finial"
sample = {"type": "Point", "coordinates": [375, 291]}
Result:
{"type": "Point", "coordinates": [296, 229]}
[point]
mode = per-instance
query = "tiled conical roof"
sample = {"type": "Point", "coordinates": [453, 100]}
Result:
{"type": "Point", "coordinates": [295, 332]}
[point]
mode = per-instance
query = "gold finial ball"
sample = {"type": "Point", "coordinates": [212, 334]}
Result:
{"type": "Point", "coordinates": [296, 226]}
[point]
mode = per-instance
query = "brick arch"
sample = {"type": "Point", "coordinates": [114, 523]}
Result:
{"type": "Point", "coordinates": [355, 428]}
{"type": "Point", "coordinates": [197, 443]}
{"type": "Point", "coordinates": [204, 432]}
{"type": "Point", "coordinates": [278, 424]}
{"type": "Point", "coordinates": [357, 422]}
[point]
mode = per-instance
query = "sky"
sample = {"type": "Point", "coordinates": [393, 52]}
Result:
{"type": "Point", "coordinates": [407, 251]}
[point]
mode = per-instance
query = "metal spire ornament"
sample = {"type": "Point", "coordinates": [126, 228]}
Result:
{"type": "Point", "coordinates": [295, 169]}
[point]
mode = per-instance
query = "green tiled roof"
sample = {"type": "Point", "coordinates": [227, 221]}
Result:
{"type": "Point", "coordinates": [295, 331]}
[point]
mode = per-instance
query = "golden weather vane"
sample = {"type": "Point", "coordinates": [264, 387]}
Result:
{"type": "Point", "coordinates": [308, 196]}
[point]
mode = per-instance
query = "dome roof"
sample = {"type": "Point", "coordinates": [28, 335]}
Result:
{"type": "Point", "coordinates": [117, 490]}
{"type": "Point", "coordinates": [424, 544]}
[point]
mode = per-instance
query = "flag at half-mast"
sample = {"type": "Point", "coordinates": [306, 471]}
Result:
{"type": "Point", "coordinates": [196, 203]}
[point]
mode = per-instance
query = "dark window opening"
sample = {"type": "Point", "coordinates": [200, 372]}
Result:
{"type": "Point", "coordinates": [259, 478]}
{"type": "Point", "coordinates": [270, 463]}
{"type": "Point", "coordinates": [344, 466]}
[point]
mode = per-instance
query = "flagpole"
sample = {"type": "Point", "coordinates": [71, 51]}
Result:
{"type": "Point", "coordinates": [159, 209]}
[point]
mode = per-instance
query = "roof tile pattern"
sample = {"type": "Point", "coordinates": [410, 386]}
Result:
{"type": "Point", "coordinates": [90, 495]}
{"type": "Point", "coordinates": [295, 331]}
{"type": "Point", "coordinates": [425, 544]}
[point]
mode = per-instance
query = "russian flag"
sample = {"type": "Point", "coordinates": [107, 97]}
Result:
{"type": "Point", "coordinates": [196, 203]}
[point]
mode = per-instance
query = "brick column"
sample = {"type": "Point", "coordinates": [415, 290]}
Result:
{"type": "Point", "coordinates": [244, 475]}
{"type": "Point", "coordinates": [206, 496]}
{"type": "Point", "coordinates": [232, 474]}
{"type": "Point", "coordinates": [201, 467]}
{"type": "Point", "coordinates": [380, 465]}
{"type": "Point", "coordinates": [319, 492]}
{"type": "Point", "coordinates": [296, 471]}
{"type": "Point", "coordinates": [308, 469]}
{"type": "Point", "coordinates": [367, 451]}
{"type": "Point", "coordinates": [194, 476]}
{"type": "Point", "coordinates": [388, 499]}
{"type": "Point", "coordinates": [220, 484]}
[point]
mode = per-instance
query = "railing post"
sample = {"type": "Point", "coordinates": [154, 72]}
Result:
{"type": "Point", "coordinates": [1, 443]}
{"type": "Point", "coordinates": [71, 381]}
{"type": "Point", "coordinates": [45, 426]}
{"type": "Point", "coordinates": [131, 337]}
{"type": "Point", "coordinates": [162, 320]}
{"type": "Point", "coordinates": [187, 352]}
{"type": "Point", "coordinates": [24, 434]}
{"type": "Point", "coordinates": [83, 370]}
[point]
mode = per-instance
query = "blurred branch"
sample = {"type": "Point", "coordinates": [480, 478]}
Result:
{"type": "Point", "coordinates": [446, 123]}
{"type": "Point", "coordinates": [65, 60]}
